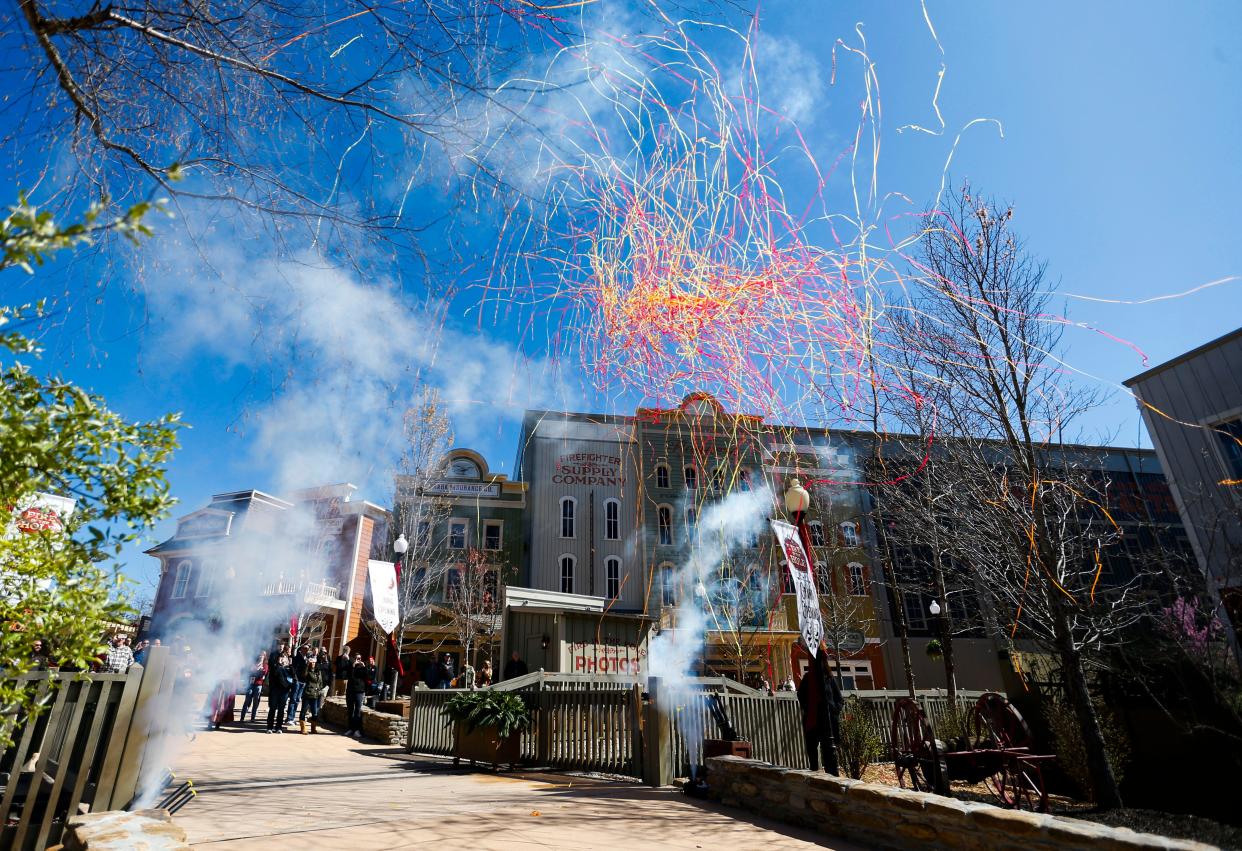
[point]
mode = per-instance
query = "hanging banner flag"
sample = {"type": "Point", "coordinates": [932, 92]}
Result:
{"type": "Point", "coordinates": [384, 594]}
{"type": "Point", "coordinates": [809, 620]}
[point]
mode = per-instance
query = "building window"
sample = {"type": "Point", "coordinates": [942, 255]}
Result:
{"type": "Point", "coordinates": [668, 591]}
{"type": "Point", "coordinates": [490, 587]}
{"type": "Point", "coordinates": [854, 675]}
{"type": "Point", "coordinates": [420, 583]}
{"type": "Point", "coordinates": [567, 516]}
{"type": "Point", "coordinates": [662, 476]}
{"type": "Point", "coordinates": [823, 578]}
{"type": "Point", "coordinates": [916, 611]}
{"type": "Point", "coordinates": [664, 519]}
{"type": "Point", "coordinates": [1230, 436]}
{"type": "Point", "coordinates": [492, 534]}
{"type": "Point", "coordinates": [692, 478]}
{"type": "Point", "coordinates": [692, 519]}
{"type": "Point", "coordinates": [612, 576]}
{"type": "Point", "coordinates": [454, 583]}
{"type": "Point", "coordinates": [858, 579]}
{"type": "Point", "coordinates": [787, 586]}
{"type": "Point", "coordinates": [612, 520]}
{"type": "Point", "coordinates": [817, 533]}
{"type": "Point", "coordinates": [182, 580]}
{"type": "Point", "coordinates": [205, 579]}
{"type": "Point", "coordinates": [423, 536]}
{"type": "Point", "coordinates": [457, 534]}
{"type": "Point", "coordinates": [567, 574]}
{"type": "Point", "coordinates": [743, 480]}
{"type": "Point", "coordinates": [849, 534]}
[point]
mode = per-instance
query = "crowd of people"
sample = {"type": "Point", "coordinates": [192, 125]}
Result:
{"type": "Point", "coordinates": [117, 659]}
{"type": "Point", "coordinates": [297, 683]}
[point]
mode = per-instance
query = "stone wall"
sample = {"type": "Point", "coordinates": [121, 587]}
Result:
{"type": "Point", "coordinates": [381, 726]}
{"type": "Point", "coordinates": [888, 817]}
{"type": "Point", "coordinates": [152, 830]}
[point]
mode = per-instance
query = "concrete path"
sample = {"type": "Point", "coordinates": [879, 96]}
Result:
{"type": "Point", "coordinates": [329, 791]}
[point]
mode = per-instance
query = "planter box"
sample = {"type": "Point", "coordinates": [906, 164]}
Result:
{"type": "Point", "coordinates": [483, 745]}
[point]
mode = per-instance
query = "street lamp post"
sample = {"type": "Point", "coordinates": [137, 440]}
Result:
{"type": "Point", "coordinates": [946, 649]}
{"type": "Point", "coordinates": [400, 547]}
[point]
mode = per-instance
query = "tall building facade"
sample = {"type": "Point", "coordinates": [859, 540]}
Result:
{"type": "Point", "coordinates": [1192, 407]}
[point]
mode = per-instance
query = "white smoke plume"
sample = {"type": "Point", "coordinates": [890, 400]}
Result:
{"type": "Point", "coordinates": [724, 529]}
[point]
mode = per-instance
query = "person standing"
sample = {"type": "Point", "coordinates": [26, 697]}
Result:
{"type": "Point", "coordinates": [819, 695]}
{"type": "Point", "coordinates": [299, 681]}
{"type": "Point", "coordinates": [318, 678]}
{"type": "Point", "coordinates": [355, 692]}
{"type": "Point", "coordinates": [279, 684]}
{"type": "Point", "coordinates": [120, 657]}
{"type": "Point", "coordinates": [38, 656]}
{"type": "Point", "coordinates": [483, 678]}
{"type": "Point", "coordinates": [446, 672]}
{"type": "Point", "coordinates": [343, 664]}
{"type": "Point", "coordinates": [254, 687]}
{"type": "Point", "coordinates": [515, 667]}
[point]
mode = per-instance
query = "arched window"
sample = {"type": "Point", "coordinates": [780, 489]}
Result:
{"type": "Point", "coordinates": [664, 520]}
{"type": "Point", "coordinates": [692, 478]}
{"type": "Point", "coordinates": [743, 479]}
{"type": "Point", "coordinates": [612, 576]}
{"type": "Point", "coordinates": [692, 519]}
{"type": "Point", "coordinates": [612, 520]}
{"type": "Point", "coordinates": [668, 591]}
{"type": "Point", "coordinates": [786, 579]}
{"type": "Point", "coordinates": [567, 574]}
{"type": "Point", "coordinates": [662, 479]}
{"type": "Point", "coordinates": [858, 579]}
{"type": "Point", "coordinates": [817, 533]}
{"type": "Point", "coordinates": [181, 581]}
{"type": "Point", "coordinates": [849, 533]}
{"type": "Point", "coordinates": [568, 504]}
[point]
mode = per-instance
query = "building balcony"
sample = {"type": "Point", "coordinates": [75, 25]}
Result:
{"type": "Point", "coordinates": [321, 593]}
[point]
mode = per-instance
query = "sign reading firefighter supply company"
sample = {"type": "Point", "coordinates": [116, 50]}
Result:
{"type": "Point", "coordinates": [809, 620]}
{"type": "Point", "coordinates": [384, 594]}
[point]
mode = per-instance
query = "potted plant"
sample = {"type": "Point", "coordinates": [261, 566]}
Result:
{"type": "Point", "coordinates": [487, 726]}
{"type": "Point", "coordinates": [935, 650]}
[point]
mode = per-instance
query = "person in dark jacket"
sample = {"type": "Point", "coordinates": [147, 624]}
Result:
{"type": "Point", "coordinates": [299, 681]}
{"type": "Point", "coordinates": [318, 680]}
{"type": "Point", "coordinates": [515, 667]}
{"type": "Point", "coordinates": [355, 693]}
{"type": "Point", "coordinates": [280, 682]}
{"type": "Point", "coordinates": [431, 673]}
{"type": "Point", "coordinates": [343, 663]}
{"type": "Point", "coordinates": [820, 698]}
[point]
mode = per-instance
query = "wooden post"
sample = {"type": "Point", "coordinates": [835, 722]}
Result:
{"type": "Point", "coordinates": [146, 727]}
{"type": "Point", "coordinates": [636, 730]}
{"type": "Point", "coordinates": [657, 740]}
{"type": "Point", "coordinates": [543, 746]}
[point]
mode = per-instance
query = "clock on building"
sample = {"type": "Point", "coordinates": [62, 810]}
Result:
{"type": "Point", "coordinates": [462, 468]}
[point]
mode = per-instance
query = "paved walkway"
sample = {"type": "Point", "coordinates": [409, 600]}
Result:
{"type": "Point", "coordinates": [328, 791]}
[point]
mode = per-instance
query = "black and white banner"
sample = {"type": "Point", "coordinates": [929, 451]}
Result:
{"type": "Point", "coordinates": [809, 620]}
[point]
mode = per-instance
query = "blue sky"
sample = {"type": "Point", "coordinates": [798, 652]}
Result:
{"type": "Point", "coordinates": [1121, 126]}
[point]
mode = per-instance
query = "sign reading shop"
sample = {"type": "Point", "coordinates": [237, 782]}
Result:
{"type": "Point", "coordinates": [588, 468]}
{"type": "Point", "coordinates": [446, 488]}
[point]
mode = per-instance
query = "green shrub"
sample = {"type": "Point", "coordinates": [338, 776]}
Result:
{"type": "Point", "coordinates": [859, 741]}
{"type": "Point", "coordinates": [1072, 752]}
{"type": "Point", "coordinates": [501, 710]}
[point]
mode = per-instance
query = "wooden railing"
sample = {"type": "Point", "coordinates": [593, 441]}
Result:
{"type": "Point", "coordinates": [430, 731]}
{"type": "Point", "coordinates": [878, 707]}
{"type": "Point", "coordinates": [85, 751]}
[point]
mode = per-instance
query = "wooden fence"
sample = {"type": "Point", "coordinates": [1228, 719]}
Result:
{"type": "Point", "coordinates": [590, 723]}
{"type": "Point", "coordinates": [84, 752]}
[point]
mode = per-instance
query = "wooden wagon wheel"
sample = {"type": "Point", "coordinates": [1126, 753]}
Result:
{"type": "Point", "coordinates": [995, 723]}
{"type": "Point", "coordinates": [915, 756]}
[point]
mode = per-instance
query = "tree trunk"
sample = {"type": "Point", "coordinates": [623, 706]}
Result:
{"type": "Point", "coordinates": [946, 640]}
{"type": "Point", "coordinates": [1103, 781]}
